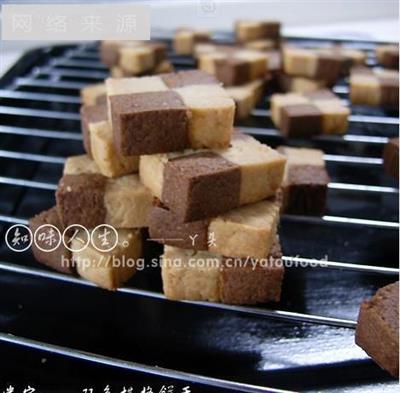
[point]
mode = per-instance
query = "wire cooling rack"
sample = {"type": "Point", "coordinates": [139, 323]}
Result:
{"type": "Point", "coordinates": [61, 332]}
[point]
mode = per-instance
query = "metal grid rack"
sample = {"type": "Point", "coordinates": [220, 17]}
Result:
{"type": "Point", "coordinates": [303, 343]}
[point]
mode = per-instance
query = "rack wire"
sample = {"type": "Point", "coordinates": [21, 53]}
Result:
{"type": "Point", "coordinates": [48, 93]}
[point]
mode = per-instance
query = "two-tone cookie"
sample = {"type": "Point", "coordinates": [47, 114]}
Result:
{"type": "Point", "coordinates": [247, 231]}
{"type": "Point", "coordinates": [185, 40]}
{"type": "Point", "coordinates": [248, 30]}
{"type": "Point", "coordinates": [82, 252]}
{"type": "Point", "coordinates": [86, 197]}
{"type": "Point", "coordinates": [133, 57]}
{"type": "Point", "coordinates": [349, 57]}
{"type": "Point", "coordinates": [305, 183]}
{"type": "Point", "coordinates": [377, 331]}
{"type": "Point", "coordinates": [170, 112]}
{"type": "Point", "coordinates": [233, 65]}
{"type": "Point", "coordinates": [203, 276]}
{"type": "Point", "coordinates": [98, 142]}
{"type": "Point", "coordinates": [311, 63]}
{"type": "Point", "coordinates": [201, 184]}
{"type": "Point", "coordinates": [307, 114]}
{"type": "Point", "coordinates": [374, 87]}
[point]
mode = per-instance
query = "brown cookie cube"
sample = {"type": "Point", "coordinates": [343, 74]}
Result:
{"type": "Point", "coordinates": [232, 72]}
{"type": "Point", "coordinates": [80, 200]}
{"type": "Point", "coordinates": [305, 184]}
{"type": "Point", "coordinates": [200, 185]}
{"type": "Point", "coordinates": [252, 281]}
{"type": "Point", "coordinates": [301, 120]}
{"type": "Point", "coordinates": [377, 329]}
{"type": "Point", "coordinates": [147, 123]}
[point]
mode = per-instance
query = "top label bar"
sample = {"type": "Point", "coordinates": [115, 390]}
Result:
{"type": "Point", "coordinates": [75, 22]}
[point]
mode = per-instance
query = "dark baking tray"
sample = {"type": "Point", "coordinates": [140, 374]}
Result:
{"type": "Point", "coordinates": [47, 320]}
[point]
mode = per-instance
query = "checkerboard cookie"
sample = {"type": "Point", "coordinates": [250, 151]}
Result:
{"type": "Point", "coordinates": [374, 88]}
{"type": "Point", "coordinates": [203, 276]}
{"type": "Point", "coordinates": [171, 112]}
{"type": "Point", "coordinates": [232, 65]}
{"type": "Point", "coordinates": [305, 183]}
{"type": "Point", "coordinates": [133, 57]}
{"type": "Point", "coordinates": [99, 145]}
{"type": "Point", "coordinates": [247, 231]}
{"type": "Point", "coordinates": [248, 30]}
{"type": "Point", "coordinates": [197, 185]}
{"type": "Point", "coordinates": [307, 114]}
{"type": "Point", "coordinates": [89, 262]}
{"type": "Point", "coordinates": [86, 197]}
{"type": "Point", "coordinates": [312, 63]}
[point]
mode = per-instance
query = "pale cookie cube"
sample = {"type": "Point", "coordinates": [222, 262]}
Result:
{"type": "Point", "coordinates": [280, 100]}
{"type": "Point", "coordinates": [183, 42]}
{"type": "Point", "coordinates": [211, 117]}
{"type": "Point", "coordinates": [190, 275]}
{"type": "Point", "coordinates": [297, 156]}
{"type": "Point", "coordinates": [334, 116]}
{"type": "Point", "coordinates": [186, 39]}
{"type": "Point", "coordinates": [365, 89]}
{"type": "Point", "coordinates": [93, 94]}
{"type": "Point", "coordinates": [109, 162]}
{"type": "Point", "coordinates": [246, 97]}
{"type": "Point", "coordinates": [144, 84]}
{"type": "Point", "coordinates": [127, 202]}
{"type": "Point", "coordinates": [261, 168]}
{"type": "Point", "coordinates": [81, 164]}
{"type": "Point", "coordinates": [248, 231]}
{"type": "Point", "coordinates": [151, 171]}
{"type": "Point", "coordinates": [304, 85]}
{"type": "Point", "coordinates": [109, 270]}
{"type": "Point", "coordinates": [207, 61]}
{"type": "Point", "coordinates": [248, 30]}
{"type": "Point", "coordinates": [136, 59]}
{"type": "Point", "coordinates": [301, 62]}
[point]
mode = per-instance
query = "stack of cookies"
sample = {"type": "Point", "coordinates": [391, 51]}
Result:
{"type": "Point", "coordinates": [207, 192]}
{"type": "Point", "coordinates": [214, 189]}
